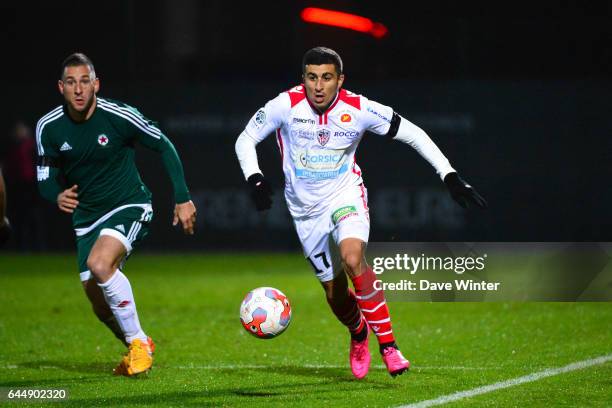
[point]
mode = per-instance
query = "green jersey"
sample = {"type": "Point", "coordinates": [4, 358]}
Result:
{"type": "Point", "coordinates": [98, 156]}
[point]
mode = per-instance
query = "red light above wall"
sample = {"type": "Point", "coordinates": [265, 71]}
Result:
{"type": "Point", "coordinates": [344, 20]}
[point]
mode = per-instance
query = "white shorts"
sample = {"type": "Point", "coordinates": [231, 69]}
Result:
{"type": "Point", "coordinates": [345, 217]}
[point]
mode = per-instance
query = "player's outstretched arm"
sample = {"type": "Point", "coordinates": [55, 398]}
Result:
{"type": "Point", "coordinates": [460, 191]}
{"type": "Point", "coordinates": [184, 210]}
{"type": "Point", "coordinates": [148, 134]}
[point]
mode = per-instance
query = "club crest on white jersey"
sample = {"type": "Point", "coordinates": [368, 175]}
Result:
{"type": "Point", "coordinates": [323, 136]}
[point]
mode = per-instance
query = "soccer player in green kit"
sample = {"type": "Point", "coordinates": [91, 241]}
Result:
{"type": "Point", "coordinates": [89, 141]}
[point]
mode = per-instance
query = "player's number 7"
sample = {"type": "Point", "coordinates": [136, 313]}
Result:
{"type": "Point", "coordinates": [323, 258]}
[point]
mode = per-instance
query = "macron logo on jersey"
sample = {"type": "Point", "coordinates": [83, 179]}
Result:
{"type": "Point", "coordinates": [65, 147]}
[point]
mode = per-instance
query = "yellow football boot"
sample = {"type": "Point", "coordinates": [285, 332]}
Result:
{"type": "Point", "coordinates": [137, 360]}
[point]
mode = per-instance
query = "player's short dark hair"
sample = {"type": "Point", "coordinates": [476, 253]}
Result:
{"type": "Point", "coordinates": [76, 59]}
{"type": "Point", "coordinates": [320, 56]}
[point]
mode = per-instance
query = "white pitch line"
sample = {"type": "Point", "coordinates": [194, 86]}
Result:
{"type": "Point", "coordinates": [579, 365]}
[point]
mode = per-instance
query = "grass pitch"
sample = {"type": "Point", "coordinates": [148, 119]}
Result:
{"type": "Point", "coordinates": [49, 338]}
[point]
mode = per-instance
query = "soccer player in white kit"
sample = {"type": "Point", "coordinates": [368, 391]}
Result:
{"type": "Point", "coordinates": [318, 126]}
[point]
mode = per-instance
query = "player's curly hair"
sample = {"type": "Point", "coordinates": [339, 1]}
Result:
{"type": "Point", "coordinates": [320, 56]}
{"type": "Point", "coordinates": [76, 59]}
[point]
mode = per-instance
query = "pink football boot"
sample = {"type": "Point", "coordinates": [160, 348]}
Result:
{"type": "Point", "coordinates": [360, 357]}
{"type": "Point", "coordinates": [395, 361]}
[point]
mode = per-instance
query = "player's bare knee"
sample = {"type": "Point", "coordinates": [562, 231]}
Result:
{"type": "Point", "coordinates": [100, 268]}
{"type": "Point", "coordinates": [351, 261]}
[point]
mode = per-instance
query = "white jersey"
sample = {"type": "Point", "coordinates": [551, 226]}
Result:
{"type": "Point", "coordinates": [317, 149]}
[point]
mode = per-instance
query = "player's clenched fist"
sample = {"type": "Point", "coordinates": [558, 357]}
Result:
{"type": "Point", "coordinates": [186, 214]}
{"type": "Point", "coordinates": [261, 192]}
{"type": "Point", "coordinates": [67, 199]}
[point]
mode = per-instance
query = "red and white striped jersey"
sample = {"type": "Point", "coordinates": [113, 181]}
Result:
{"type": "Point", "coordinates": [317, 149]}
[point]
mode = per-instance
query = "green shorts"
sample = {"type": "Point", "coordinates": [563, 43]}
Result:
{"type": "Point", "coordinates": [128, 224]}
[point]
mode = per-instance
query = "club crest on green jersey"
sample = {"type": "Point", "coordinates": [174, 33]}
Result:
{"type": "Point", "coordinates": [102, 140]}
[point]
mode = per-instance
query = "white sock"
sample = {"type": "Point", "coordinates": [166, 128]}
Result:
{"type": "Point", "coordinates": [118, 294]}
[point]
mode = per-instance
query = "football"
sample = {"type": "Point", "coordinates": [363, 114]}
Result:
{"type": "Point", "coordinates": [265, 312]}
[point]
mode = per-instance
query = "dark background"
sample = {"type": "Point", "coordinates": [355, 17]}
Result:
{"type": "Point", "coordinates": [517, 96]}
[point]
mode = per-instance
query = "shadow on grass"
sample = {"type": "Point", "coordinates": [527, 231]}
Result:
{"type": "Point", "coordinates": [329, 381]}
{"type": "Point", "coordinates": [272, 393]}
{"type": "Point", "coordinates": [294, 370]}
{"type": "Point", "coordinates": [334, 374]}
{"type": "Point", "coordinates": [94, 372]}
